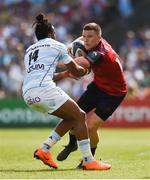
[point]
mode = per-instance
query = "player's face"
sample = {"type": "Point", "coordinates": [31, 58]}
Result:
{"type": "Point", "coordinates": [90, 38]}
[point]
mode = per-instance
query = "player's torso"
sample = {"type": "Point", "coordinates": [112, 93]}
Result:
{"type": "Point", "coordinates": [40, 63]}
{"type": "Point", "coordinates": [108, 73]}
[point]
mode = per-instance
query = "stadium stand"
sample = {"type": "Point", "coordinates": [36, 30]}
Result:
{"type": "Point", "coordinates": [132, 39]}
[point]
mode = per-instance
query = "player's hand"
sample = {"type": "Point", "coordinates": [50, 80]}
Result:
{"type": "Point", "coordinates": [69, 75]}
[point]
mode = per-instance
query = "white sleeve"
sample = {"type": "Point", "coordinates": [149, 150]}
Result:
{"type": "Point", "coordinates": [64, 57]}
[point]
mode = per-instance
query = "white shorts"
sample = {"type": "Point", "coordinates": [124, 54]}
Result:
{"type": "Point", "coordinates": [45, 99]}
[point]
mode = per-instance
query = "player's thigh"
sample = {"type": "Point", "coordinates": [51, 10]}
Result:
{"type": "Point", "coordinates": [89, 98]}
{"type": "Point", "coordinates": [70, 111]}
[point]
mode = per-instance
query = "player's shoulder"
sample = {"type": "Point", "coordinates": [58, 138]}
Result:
{"type": "Point", "coordinates": [47, 42]}
{"type": "Point", "coordinates": [29, 48]}
{"type": "Point", "coordinates": [105, 44]}
{"type": "Point", "coordinates": [32, 47]}
{"type": "Point", "coordinates": [58, 45]}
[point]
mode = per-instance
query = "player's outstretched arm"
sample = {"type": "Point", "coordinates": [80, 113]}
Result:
{"type": "Point", "coordinates": [70, 70]}
{"type": "Point", "coordinates": [60, 76]}
{"type": "Point", "coordinates": [76, 70]}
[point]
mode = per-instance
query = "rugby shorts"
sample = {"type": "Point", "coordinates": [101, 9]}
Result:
{"type": "Point", "coordinates": [102, 103]}
{"type": "Point", "coordinates": [45, 99]}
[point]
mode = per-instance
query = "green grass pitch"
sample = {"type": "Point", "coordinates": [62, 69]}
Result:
{"type": "Point", "coordinates": [128, 150]}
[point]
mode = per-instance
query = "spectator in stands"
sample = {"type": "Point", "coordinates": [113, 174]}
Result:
{"type": "Point", "coordinates": [16, 31]}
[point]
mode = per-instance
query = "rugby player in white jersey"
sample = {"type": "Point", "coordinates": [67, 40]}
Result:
{"type": "Point", "coordinates": [41, 93]}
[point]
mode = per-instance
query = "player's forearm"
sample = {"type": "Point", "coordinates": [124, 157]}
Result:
{"type": "Point", "coordinates": [80, 71]}
{"type": "Point", "coordinates": [60, 76]}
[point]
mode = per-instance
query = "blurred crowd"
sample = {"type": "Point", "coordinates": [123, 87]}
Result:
{"type": "Point", "coordinates": [68, 17]}
{"type": "Point", "coordinates": [135, 55]}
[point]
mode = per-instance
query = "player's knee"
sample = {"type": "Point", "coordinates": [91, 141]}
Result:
{"type": "Point", "coordinates": [93, 124]}
{"type": "Point", "coordinates": [79, 117]}
{"type": "Point", "coordinates": [92, 127]}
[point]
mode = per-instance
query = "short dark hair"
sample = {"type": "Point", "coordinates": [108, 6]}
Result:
{"type": "Point", "coordinates": [93, 26]}
{"type": "Point", "coordinates": [43, 27]}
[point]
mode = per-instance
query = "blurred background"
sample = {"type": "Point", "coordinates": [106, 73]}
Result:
{"type": "Point", "coordinates": [125, 25]}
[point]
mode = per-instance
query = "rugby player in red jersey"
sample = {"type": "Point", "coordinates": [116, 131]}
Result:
{"type": "Point", "coordinates": [107, 90]}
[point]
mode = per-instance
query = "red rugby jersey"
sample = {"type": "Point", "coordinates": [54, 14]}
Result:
{"type": "Point", "coordinates": [108, 73]}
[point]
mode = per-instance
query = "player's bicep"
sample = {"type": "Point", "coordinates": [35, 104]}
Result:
{"type": "Point", "coordinates": [64, 57]}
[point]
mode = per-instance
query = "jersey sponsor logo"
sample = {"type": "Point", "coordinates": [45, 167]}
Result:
{"type": "Point", "coordinates": [33, 100]}
{"type": "Point", "coordinates": [35, 67]}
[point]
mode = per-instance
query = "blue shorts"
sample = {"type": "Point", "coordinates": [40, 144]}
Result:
{"type": "Point", "coordinates": [103, 103]}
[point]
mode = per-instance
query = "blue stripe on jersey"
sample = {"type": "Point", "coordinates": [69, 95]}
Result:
{"type": "Point", "coordinates": [49, 69]}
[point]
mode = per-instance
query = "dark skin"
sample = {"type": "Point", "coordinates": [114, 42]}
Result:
{"type": "Point", "coordinates": [69, 73]}
{"type": "Point", "coordinates": [72, 115]}
{"type": "Point", "coordinates": [61, 75]}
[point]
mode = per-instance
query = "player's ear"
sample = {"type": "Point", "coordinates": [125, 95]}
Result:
{"type": "Point", "coordinates": [99, 36]}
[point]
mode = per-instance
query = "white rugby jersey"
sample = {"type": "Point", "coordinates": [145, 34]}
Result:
{"type": "Point", "coordinates": [40, 62]}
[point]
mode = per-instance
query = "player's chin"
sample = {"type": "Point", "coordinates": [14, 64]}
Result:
{"type": "Point", "coordinates": [87, 47]}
